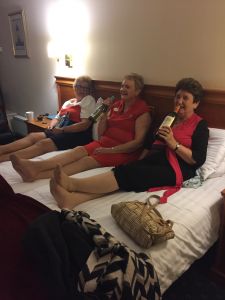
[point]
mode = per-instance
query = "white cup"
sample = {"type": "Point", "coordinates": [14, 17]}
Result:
{"type": "Point", "coordinates": [29, 115]}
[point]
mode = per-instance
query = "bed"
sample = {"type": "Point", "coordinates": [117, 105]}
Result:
{"type": "Point", "coordinates": [196, 212]}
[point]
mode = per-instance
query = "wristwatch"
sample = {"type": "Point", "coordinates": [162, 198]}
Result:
{"type": "Point", "coordinates": [177, 147]}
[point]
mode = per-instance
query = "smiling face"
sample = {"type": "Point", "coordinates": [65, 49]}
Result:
{"type": "Point", "coordinates": [186, 102]}
{"type": "Point", "coordinates": [81, 89]}
{"type": "Point", "coordinates": [128, 90]}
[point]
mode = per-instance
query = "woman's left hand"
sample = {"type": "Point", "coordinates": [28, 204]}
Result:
{"type": "Point", "coordinates": [103, 150]}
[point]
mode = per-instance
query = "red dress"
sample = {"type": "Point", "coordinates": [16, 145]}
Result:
{"type": "Point", "coordinates": [120, 130]}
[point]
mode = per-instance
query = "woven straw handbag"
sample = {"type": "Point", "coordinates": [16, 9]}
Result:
{"type": "Point", "coordinates": [142, 222]}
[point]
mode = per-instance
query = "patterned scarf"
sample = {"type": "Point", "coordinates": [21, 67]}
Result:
{"type": "Point", "coordinates": [113, 271]}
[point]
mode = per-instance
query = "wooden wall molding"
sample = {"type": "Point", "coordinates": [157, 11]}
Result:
{"type": "Point", "coordinates": [212, 108]}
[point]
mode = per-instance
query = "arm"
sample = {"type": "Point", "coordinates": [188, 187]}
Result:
{"type": "Point", "coordinates": [84, 124]}
{"type": "Point", "coordinates": [141, 127]}
{"type": "Point", "coordinates": [195, 155]}
{"type": "Point", "coordinates": [53, 123]}
{"type": "Point", "coordinates": [102, 121]}
{"type": "Point", "coordinates": [102, 124]}
{"type": "Point", "coordinates": [87, 105]}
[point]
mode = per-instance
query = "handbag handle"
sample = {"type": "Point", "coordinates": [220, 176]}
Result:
{"type": "Point", "coordinates": [149, 205]}
{"type": "Point", "coordinates": [155, 197]}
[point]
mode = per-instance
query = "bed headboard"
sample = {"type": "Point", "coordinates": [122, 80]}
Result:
{"type": "Point", "coordinates": [212, 108]}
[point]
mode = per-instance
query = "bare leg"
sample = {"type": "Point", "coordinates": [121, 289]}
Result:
{"type": "Point", "coordinates": [41, 147]}
{"type": "Point", "coordinates": [73, 161]}
{"type": "Point", "coordinates": [29, 140]}
{"type": "Point", "coordinates": [99, 184]}
{"type": "Point", "coordinates": [69, 200]}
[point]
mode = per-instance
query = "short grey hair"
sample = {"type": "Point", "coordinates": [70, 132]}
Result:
{"type": "Point", "coordinates": [138, 80]}
{"type": "Point", "coordinates": [88, 82]}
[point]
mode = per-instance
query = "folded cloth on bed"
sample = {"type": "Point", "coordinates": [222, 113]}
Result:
{"type": "Point", "coordinates": [193, 182]}
{"type": "Point", "coordinates": [78, 254]}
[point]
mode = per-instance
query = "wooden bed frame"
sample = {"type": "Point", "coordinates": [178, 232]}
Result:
{"type": "Point", "coordinates": [161, 98]}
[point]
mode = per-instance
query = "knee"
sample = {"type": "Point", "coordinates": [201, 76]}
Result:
{"type": "Point", "coordinates": [90, 162]}
{"type": "Point", "coordinates": [32, 137]}
{"type": "Point", "coordinates": [46, 144]}
{"type": "Point", "coordinates": [80, 150]}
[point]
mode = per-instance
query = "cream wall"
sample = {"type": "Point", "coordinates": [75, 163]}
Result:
{"type": "Point", "coordinates": [162, 40]}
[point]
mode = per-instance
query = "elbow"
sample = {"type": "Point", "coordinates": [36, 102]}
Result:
{"type": "Point", "coordinates": [199, 161]}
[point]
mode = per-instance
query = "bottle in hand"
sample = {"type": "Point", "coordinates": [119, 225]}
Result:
{"type": "Point", "coordinates": [169, 120]}
{"type": "Point", "coordinates": [100, 109]}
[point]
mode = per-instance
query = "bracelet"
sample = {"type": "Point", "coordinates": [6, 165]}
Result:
{"type": "Point", "coordinates": [177, 147]}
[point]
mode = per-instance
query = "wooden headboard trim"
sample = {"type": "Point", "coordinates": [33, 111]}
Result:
{"type": "Point", "coordinates": [212, 108]}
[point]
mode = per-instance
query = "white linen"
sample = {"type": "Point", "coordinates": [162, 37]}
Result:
{"type": "Point", "coordinates": [195, 213]}
{"type": "Point", "coordinates": [220, 171]}
{"type": "Point", "coordinates": [215, 153]}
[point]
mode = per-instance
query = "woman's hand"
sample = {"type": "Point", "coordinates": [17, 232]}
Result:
{"type": "Point", "coordinates": [166, 133]}
{"type": "Point", "coordinates": [103, 150]}
{"type": "Point", "coordinates": [185, 153]}
{"type": "Point", "coordinates": [53, 123]}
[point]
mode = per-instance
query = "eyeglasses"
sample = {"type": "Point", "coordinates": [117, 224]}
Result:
{"type": "Point", "coordinates": [79, 86]}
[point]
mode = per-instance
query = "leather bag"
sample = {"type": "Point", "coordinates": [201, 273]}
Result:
{"type": "Point", "coordinates": [142, 222]}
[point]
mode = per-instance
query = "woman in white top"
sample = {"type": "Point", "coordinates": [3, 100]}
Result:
{"type": "Point", "coordinates": [76, 130]}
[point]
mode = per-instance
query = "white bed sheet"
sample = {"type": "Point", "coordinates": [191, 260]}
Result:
{"type": "Point", "coordinates": [195, 213]}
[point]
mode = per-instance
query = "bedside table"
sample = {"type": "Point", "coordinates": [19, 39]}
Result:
{"type": "Point", "coordinates": [36, 126]}
{"type": "Point", "coordinates": [219, 266]}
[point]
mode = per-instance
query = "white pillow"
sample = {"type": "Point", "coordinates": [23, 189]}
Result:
{"type": "Point", "coordinates": [220, 171]}
{"type": "Point", "coordinates": [215, 153]}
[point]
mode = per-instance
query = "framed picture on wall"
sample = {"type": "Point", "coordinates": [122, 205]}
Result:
{"type": "Point", "coordinates": [18, 33]}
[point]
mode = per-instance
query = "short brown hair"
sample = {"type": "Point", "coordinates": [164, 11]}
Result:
{"type": "Point", "coordinates": [192, 86]}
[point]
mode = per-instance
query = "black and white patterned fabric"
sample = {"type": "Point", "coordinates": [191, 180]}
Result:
{"type": "Point", "coordinates": [112, 269]}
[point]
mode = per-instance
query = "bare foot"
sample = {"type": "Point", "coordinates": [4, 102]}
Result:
{"type": "Point", "coordinates": [62, 179]}
{"type": "Point", "coordinates": [24, 167]}
{"type": "Point", "coordinates": [64, 198]}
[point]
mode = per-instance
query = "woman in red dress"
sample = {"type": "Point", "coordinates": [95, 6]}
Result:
{"type": "Point", "coordinates": [122, 131]}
